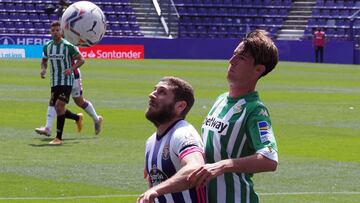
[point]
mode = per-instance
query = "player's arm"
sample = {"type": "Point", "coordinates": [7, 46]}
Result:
{"type": "Point", "coordinates": [79, 61]}
{"type": "Point", "coordinates": [177, 182]}
{"type": "Point", "coordinates": [264, 159]}
{"type": "Point", "coordinates": [251, 164]}
{"type": "Point", "coordinates": [43, 67]}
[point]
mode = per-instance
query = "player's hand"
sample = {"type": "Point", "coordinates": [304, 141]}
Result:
{"type": "Point", "coordinates": [68, 71]}
{"type": "Point", "coordinates": [42, 73]}
{"type": "Point", "coordinates": [201, 176]}
{"type": "Point", "coordinates": [147, 197]}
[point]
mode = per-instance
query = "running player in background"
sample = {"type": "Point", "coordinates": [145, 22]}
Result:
{"type": "Point", "coordinates": [237, 132]}
{"type": "Point", "coordinates": [175, 149]}
{"type": "Point", "coordinates": [77, 95]}
{"type": "Point", "coordinates": [61, 53]}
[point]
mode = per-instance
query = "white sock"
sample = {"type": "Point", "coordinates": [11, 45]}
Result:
{"type": "Point", "coordinates": [91, 111]}
{"type": "Point", "coordinates": [50, 116]}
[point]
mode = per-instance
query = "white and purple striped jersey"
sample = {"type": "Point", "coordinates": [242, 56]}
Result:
{"type": "Point", "coordinates": [163, 158]}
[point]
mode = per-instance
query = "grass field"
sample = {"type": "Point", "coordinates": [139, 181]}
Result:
{"type": "Point", "coordinates": [315, 111]}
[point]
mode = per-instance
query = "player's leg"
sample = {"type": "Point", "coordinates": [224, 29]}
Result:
{"type": "Point", "coordinates": [316, 54]}
{"type": "Point", "coordinates": [50, 116]}
{"type": "Point", "coordinates": [61, 97]}
{"type": "Point", "coordinates": [321, 49]}
{"type": "Point", "coordinates": [86, 105]}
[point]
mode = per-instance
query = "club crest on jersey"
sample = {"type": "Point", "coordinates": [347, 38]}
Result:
{"type": "Point", "coordinates": [156, 176]}
{"type": "Point", "coordinates": [217, 125]}
{"type": "Point", "coordinates": [166, 152]}
{"type": "Point", "coordinates": [264, 131]}
{"type": "Point", "coordinates": [237, 108]}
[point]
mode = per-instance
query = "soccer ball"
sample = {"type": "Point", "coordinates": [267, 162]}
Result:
{"type": "Point", "coordinates": [83, 24]}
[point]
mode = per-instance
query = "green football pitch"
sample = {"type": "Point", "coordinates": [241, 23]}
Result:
{"type": "Point", "coordinates": [315, 110]}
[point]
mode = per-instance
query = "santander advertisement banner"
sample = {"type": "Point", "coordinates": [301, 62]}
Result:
{"type": "Point", "coordinates": [114, 52]}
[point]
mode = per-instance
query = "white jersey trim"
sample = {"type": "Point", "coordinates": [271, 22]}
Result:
{"type": "Point", "coordinates": [268, 153]}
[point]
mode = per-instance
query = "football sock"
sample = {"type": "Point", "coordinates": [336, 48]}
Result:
{"type": "Point", "coordinates": [90, 110]}
{"type": "Point", "coordinates": [50, 116]}
{"type": "Point", "coordinates": [60, 121]}
{"type": "Point", "coordinates": [71, 115]}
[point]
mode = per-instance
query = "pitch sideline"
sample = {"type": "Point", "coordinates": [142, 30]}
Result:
{"type": "Point", "coordinates": [135, 195]}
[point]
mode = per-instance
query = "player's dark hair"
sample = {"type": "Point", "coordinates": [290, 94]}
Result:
{"type": "Point", "coordinates": [182, 90]}
{"type": "Point", "coordinates": [55, 23]}
{"type": "Point", "coordinates": [261, 47]}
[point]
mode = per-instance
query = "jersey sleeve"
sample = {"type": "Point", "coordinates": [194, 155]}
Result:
{"type": "Point", "coordinates": [73, 50]}
{"type": "Point", "coordinates": [261, 133]}
{"type": "Point", "coordinates": [186, 141]}
{"type": "Point", "coordinates": [44, 53]}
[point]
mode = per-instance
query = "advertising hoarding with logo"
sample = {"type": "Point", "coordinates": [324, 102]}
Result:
{"type": "Point", "coordinates": [114, 52]}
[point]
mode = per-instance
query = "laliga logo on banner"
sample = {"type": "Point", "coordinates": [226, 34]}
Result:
{"type": "Point", "coordinates": [114, 52]}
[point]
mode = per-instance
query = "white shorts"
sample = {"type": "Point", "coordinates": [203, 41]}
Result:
{"type": "Point", "coordinates": [76, 88]}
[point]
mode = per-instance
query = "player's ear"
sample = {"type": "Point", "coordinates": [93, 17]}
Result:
{"type": "Point", "coordinates": [180, 106]}
{"type": "Point", "coordinates": [259, 70]}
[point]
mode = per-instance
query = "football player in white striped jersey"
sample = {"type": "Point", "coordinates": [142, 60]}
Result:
{"type": "Point", "coordinates": [175, 149]}
{"type": "Point", "coordinates": [237, 132]}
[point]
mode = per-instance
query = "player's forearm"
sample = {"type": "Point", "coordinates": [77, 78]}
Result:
{"type": "Point", "coordinates": [251, 164]}
{"type": "Point", "coordinates": [44, 64]}
{"type": "Point", "coordinates": [78, 63]}
{"type": "Point", "coordinates": [176, 183]}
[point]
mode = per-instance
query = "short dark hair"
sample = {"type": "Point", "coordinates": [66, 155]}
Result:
{"type": "Point", "coordinates": [262, 48]}
{"type": "Point", "coordinates": [182, 90]}
{"type": "Point", "coordinates": [55, 23]}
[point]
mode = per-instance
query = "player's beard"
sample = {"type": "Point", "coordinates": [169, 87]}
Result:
{"type": "Point", "coordinates": [163, 115]}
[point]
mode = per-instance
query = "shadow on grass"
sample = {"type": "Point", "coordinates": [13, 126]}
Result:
{"type": "Point", "coordinates": [66, 141]}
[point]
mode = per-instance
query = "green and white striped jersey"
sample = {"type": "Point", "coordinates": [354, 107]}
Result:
{"type": "Point", "coordinates": [234, 128]}
{"type": "Point", "coordinates": [60, 56]}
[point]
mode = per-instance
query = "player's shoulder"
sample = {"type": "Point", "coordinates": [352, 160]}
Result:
{"type": "Point", "coordinates": [184, 129]}
{"type": "Point", "coordinates": [49, 42]}
{"type": "Point", "coordinates": [67, 43]}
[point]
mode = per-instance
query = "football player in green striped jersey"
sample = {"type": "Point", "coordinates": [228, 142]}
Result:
{"type": "Point", "coordinates": [237, 132]}
{"type": "Point", "coordinates": [61, 54]}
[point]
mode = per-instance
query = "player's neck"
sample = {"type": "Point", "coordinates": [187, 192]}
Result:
{"type": "Point", "coordinates": [163, 128]}
{"type": "Point", "coordinates": [238, 91]}
{"type": "Point", "coordinates": [57, 40]}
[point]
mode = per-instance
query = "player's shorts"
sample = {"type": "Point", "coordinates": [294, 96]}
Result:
{"type": "Point", "coordinates": [77, 88]}
{"type": "Point", "coordinates": [61, 93]}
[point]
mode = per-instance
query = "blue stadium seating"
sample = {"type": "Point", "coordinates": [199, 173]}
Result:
{"type": "Point", "coordinates": [28, 16]}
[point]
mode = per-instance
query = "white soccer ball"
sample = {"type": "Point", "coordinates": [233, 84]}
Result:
{"type": "Point", "coordinates": [83, 23]}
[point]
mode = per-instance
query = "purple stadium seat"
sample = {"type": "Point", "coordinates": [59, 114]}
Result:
{"type": "Point", "coordinates": [28, 25]}
{"type": "Point", "coordinates": [329, 3]}
{"type": "Point", "coordinates": [108, 9]}
{"type": "Point", "coordinates": [259, 20]}
{"type": "Point", "coordinates": [31, 7]}
{"type": "Point", "coordinates": [19, 7]}
{"type": "Point", "coordinates": [118, 9]}
{"type": "Point", "coordinates": [268, 21]}
{"type": "Point", "coordinates": [10, 6]}
{"type": "Point", "coordinates": [39, 6]}
{"type": "Point", "coordinates": [19, 25]}
{"type": "Point", "coordinates": [345, 12]}
{"type": "Point", "coordinates": [43, 17]}
{"type": "Point", "coordinates": [33, 16]}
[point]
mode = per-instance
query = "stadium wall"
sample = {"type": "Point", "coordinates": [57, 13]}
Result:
{"type": "Point", "coordinates": [341, 52]}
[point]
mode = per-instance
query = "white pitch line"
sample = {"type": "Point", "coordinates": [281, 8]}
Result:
{"type": "Point", "coordinates": [310, 193]}
{"type": "Point", "coordinates": [135, 195]}
{"type": "Point", "coordinates": [68, 197]}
